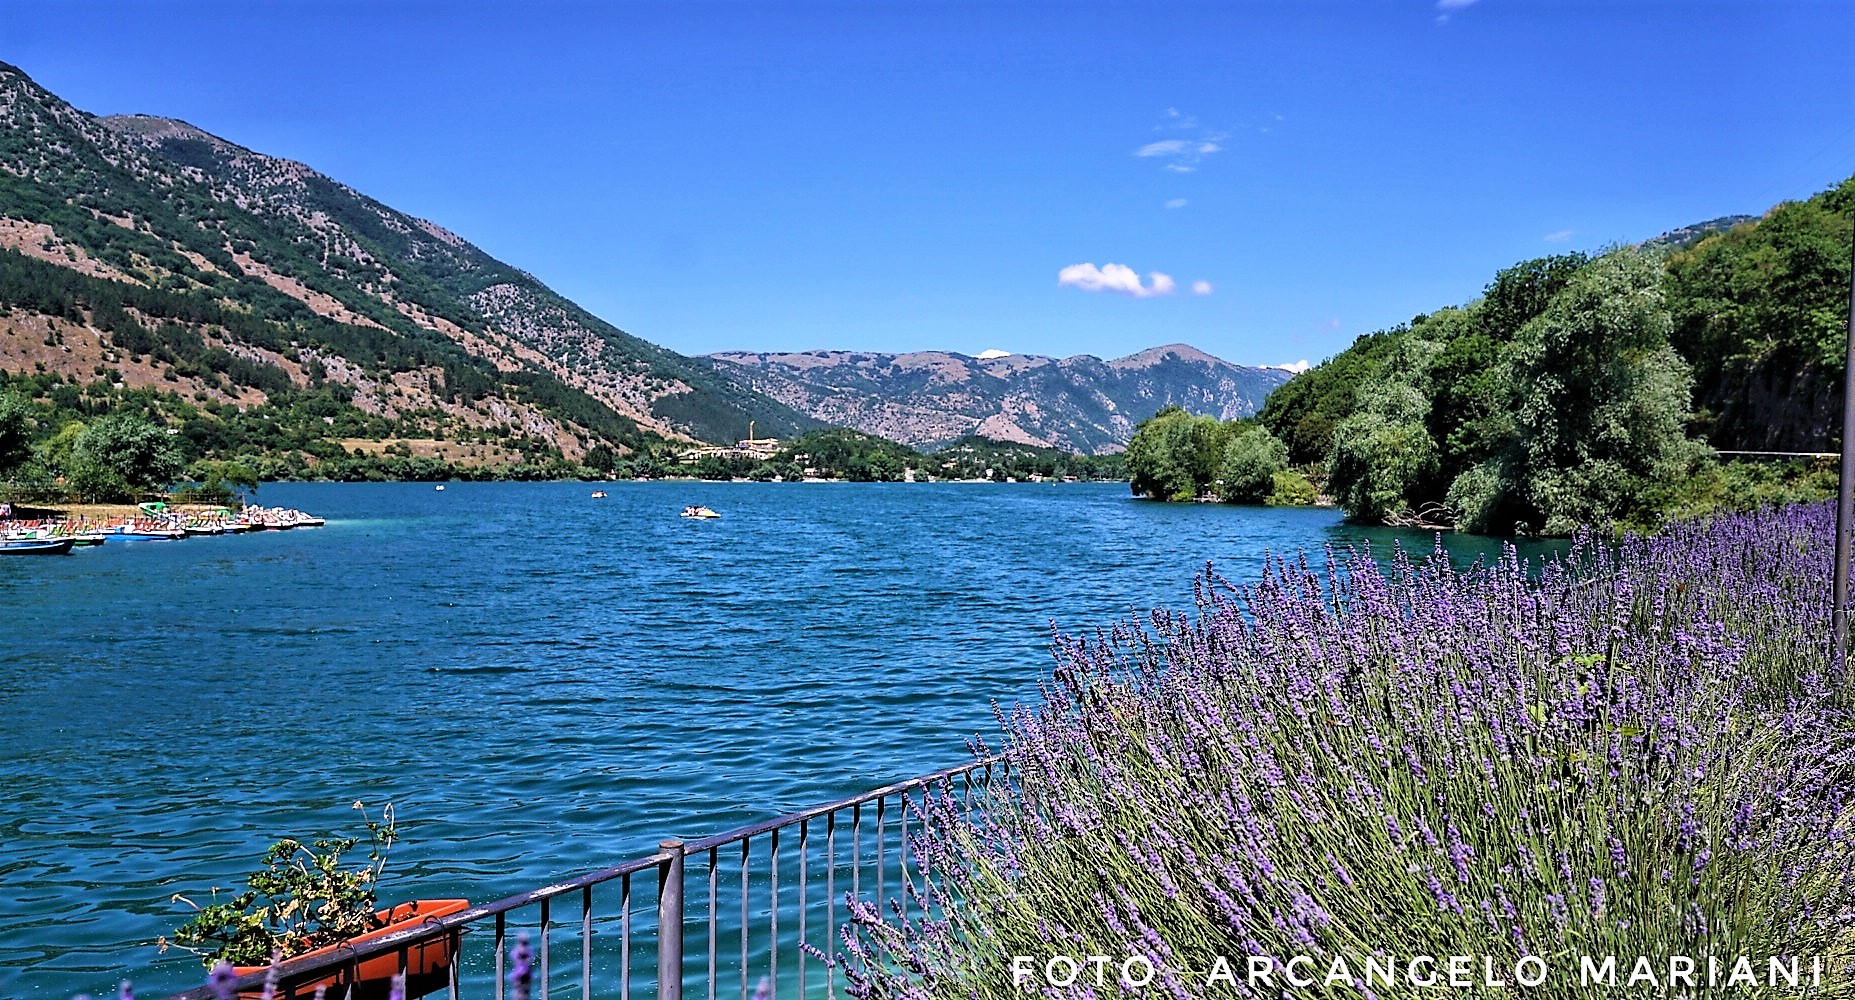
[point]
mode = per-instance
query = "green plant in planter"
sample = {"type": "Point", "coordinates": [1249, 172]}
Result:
{"type": "Point", "coordinates": [302, 899]}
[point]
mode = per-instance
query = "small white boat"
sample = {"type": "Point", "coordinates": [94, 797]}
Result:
{"type": "Point", "coordinates": [699, 512]}
{"type": "Point", "coordinates": [598, 494]}
{"type": "Point", "coordinates": [439, 487]}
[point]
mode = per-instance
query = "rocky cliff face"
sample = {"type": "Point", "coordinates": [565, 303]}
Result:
{"type": "Point", "coordinates": [1080, 404]}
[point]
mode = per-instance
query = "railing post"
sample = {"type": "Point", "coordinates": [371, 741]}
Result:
{"type": "Point", "coordinates": [670, 923]}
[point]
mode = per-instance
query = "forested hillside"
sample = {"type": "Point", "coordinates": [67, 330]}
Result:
{"type": "Point", "coordinates": [267, 311]}
{"type": "Point", "coordinates": [1576, 390]}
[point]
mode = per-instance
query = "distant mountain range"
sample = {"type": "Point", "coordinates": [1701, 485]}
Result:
{"type": "Point", "coordinates": [929, 398]}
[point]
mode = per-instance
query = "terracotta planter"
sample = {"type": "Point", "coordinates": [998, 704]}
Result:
{"type": "Point", "coordinates": [428, 964]}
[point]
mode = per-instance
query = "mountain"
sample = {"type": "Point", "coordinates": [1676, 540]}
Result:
{"type": "Point", "coordinates": [1689, 235]}
{"type": "Point", "coordinates": [144, 255]}
{"type": "Point", "coordinates": [930, 398]}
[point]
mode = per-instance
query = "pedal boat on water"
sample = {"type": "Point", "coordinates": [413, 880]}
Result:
{"type": "Point", "coordinates": [36, 546]}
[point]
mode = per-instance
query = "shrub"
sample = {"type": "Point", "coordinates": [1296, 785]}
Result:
{"type": "Point", "coordinates": [1293, 489]}
{"type": "Point", "coordinates": [1636, 751]}
{"type": "Point", "coordinates": [1251, 459]}
{"type": "Point", "coordinates": [121, 455]}
{"type": "Point", "coordinates": [301, 899]}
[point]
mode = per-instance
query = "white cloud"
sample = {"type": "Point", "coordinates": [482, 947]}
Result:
{"type": "Point", "coordinates": [1177, 203]}
{"type": "Point", "coordinates": [1558, 236]}
{"type": "Point", "coordinates": [1201, 287]}
{"type": "Point", "coordinates": [992, 353]}
{"type": "Point", "coordinates": [1445, 8]}
{"type": "Point", "coordinates": [1165, 147]}
{"type": "Point", "coordinates": [1188, 147]}
{"type": "Point", "coordinates": [1115, 278]}
{"type": "Point", "coordinates": [1297, 367]}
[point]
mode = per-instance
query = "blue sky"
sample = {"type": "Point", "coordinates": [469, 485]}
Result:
{"type": "Point", "coordinates": [963, 176]}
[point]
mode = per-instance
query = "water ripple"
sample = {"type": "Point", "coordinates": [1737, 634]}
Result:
{"type": "Point", "coordinates": [540, 682]}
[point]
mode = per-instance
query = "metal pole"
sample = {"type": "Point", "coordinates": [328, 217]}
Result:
{"type": "Point", "coordinates": [1845, 491]}
{"type": "Point", "coordinates": [670, 924]}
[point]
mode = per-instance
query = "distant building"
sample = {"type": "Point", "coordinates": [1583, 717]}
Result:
{"type": "Point", "coordinates": [759, 449]}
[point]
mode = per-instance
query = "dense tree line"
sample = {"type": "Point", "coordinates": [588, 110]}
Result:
{"type": "Point", "coordinates": [119, 457]}
{"type": "Point", "coordinates": [839, 453]}
{"type": "Point", "coordinates": [1581, 390]}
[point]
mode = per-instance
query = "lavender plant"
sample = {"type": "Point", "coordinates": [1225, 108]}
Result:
{"type": "Point", "coordinates": [1638, 750]}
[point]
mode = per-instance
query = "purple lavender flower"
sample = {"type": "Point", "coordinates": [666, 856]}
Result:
{"type": "Point", "coordinates": [521, 968]}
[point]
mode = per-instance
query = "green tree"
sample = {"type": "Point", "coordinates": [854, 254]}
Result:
{"type": "Point", "coordinates": [1376, 462]}
{"type": "Point", "coordinates": [1252, 457]}
{"type": "Point", "coordinates": [122, 455]}
{"type": "Point", "coordinates": [15, 432]}
{"type": "Point", "coordinates": [1384, 462]}
{"type": "Point", "coordinates": [599, 458]}
{"type": "Point", "coordinates": [1304, 411]}
{"type": "Point", "coordinates": [1603, 402]}
{"type": "Point", "coordinates": [218, 478]}
{"type": "Point", "coordinates": [1174, 455]}
{"type": "Point", "coordinates": [54, 453]}
{"type": "Point", "coordinates": [1760, 312]}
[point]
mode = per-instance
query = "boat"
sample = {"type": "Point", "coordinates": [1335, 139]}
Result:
{"type": "Point", "coordinates": [439, 487]}
{"type": "Point", "coordinates": [35, 546]}
{"type": "Point", "coordinates": [136, 530]}
{"type": "Point", "coordinates": [598, 494]}
{"type": "Point", "coordinates": [699, 512]}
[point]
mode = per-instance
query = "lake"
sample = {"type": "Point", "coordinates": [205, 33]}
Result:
{"type": "Point", "coordinates": [542, 683]}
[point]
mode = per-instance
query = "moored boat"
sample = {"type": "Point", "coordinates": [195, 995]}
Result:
{"type": "Point", "coordinates": [35, 546]}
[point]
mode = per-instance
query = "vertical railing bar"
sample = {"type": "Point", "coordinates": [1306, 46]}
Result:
{"type": "Point", "coordinates": [901, 856]}
{"type": "Point", "coordinates": [670, 883]}
{"type": "Point", "coordinates": [502, 941]}
{"type": "Point", "coordinates": [744, 921]}
{"type": "Point", "coordinates": [773, 895]}
{"type": "Point", "coordinates": [624, 937]}
{"type": "Point", "coordinates": [450, 974]}
{"type": "Point", "coordinates": [546, 922]}
{"type": "Point", "coordinates": [856, 851]}
{"type": "Point", "coordinates": [586, 943]}
{"type": "Point", "coordinates": [830, 899]}
{"type": "Point", "coordinates": [803, 850]}
{"type": "Point", "coordinates": [881, 802]}
{"type": "Point", "coordinates": [714, 917]}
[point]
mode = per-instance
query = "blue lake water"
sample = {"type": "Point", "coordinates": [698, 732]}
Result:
{"type": "Point", "coordinates": [541, 682]}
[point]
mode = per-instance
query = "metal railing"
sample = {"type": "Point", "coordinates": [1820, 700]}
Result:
{"type": "Point", "coordinates": [766, 917]}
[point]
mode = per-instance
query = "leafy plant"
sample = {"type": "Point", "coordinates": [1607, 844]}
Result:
{"type": "Point", "coordinates": [303, 898]}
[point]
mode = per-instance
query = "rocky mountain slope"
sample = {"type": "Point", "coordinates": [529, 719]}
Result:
{"type": "Point", "coordinates": [147, 254]}
{"type": "Point", "coordinates": [1080, 404]}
